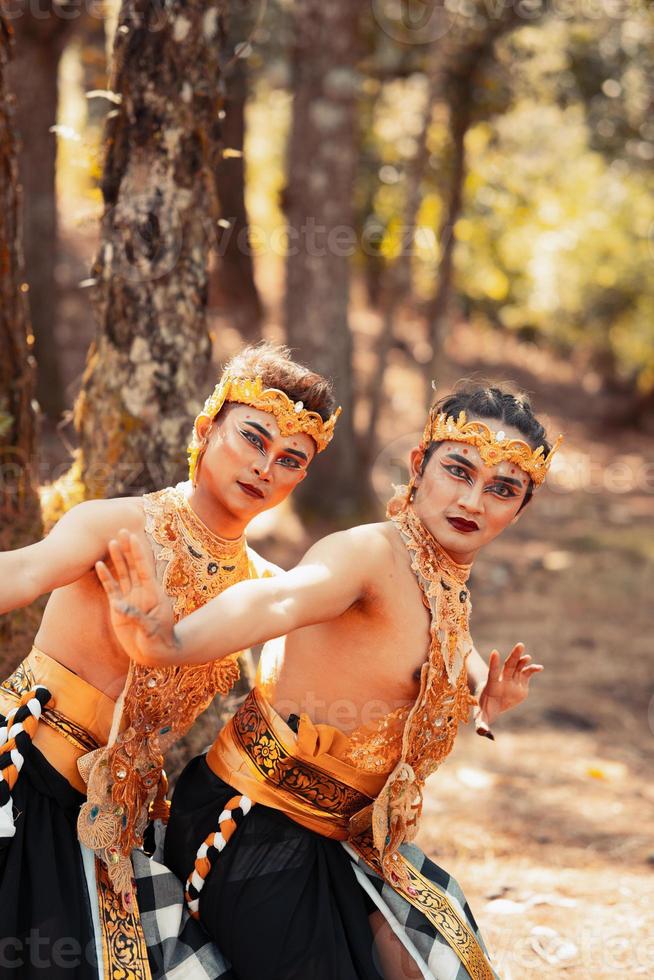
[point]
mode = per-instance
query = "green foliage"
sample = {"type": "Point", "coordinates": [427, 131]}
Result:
{"type": "Point", "coordinates": [557, 235]}
{"type": "Point", "coordinates": [556, 239]}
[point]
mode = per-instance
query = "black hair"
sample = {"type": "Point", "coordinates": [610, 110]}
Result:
{"type": "Point", "coordinates": [493, 402]}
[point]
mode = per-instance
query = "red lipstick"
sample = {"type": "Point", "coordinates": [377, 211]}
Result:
{"type": "Point", "coordinates": [250, 490]}
{"type": "Point", "coordinates": [460, 524]}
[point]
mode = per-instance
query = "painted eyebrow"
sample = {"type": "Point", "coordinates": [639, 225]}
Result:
{"type": "Point", "coordinates": [259, 428]}
{"type": "Point", "coordinates": [297, 452]}
{"type": "Point", "coordinates": [264, 432]}
{"type": "Point", "coordinates": [499, 479]}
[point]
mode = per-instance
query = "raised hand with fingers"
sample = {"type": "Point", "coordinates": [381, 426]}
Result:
{"type": "Point", "coordinates": [141, 612]}
{"type": "Point", "coordinates": [506, 687]}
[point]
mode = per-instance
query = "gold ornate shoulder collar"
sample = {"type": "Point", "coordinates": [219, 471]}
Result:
{"type": "Point", "coordinates": [196, 564]}
{"type": "Point", "coordinates": [214, 543]}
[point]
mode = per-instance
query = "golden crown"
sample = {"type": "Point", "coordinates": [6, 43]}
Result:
{"type": "Point", "coordinates": [493, 446]}
{"type": "Point", "coordinates": [291, 416]}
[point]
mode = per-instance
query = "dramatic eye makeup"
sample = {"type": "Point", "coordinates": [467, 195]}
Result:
{"type": "Point", "coordinates": [252, 438]}
{"type": "Point", "coordinates": [259, 428]}
{"type": "Point", "coordinates": [290, 463]}
{"type": "Point", "coordinates": [504, 487]}
{"type": "Point", "coordinates": [295, 456]}
{"type": "Point", "coordinates": [291, 458]}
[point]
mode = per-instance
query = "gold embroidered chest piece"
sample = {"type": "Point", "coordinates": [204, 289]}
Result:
{"type": "Point", "coordinates": [443, 699]}
{"type": "Point", "coordinates": [193, 563]}
{"type": "Point", "coordinates": [159, 704]}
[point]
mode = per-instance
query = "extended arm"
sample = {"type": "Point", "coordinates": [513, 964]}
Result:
{"type": "Point", "coordinates": [332, 575]}
{"type": "Point", "coordinates": [73, 546]}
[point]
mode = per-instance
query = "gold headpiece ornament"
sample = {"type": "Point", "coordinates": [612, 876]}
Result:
{"type": "Point", "coordinates": [291, 416]}
{"type": "Point", "coordinates": [493, 446]}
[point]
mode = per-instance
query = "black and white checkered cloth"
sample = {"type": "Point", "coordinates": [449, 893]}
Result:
{"type": "Point", "coordinates": [179, 948]}
{"type": "Point", "coordinates": [429, 949]}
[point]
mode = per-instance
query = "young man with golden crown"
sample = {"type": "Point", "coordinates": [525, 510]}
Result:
{"type": "Point", "coordinates": [59, 908]}
{"type": "Point", "coordinates": [352, 711]}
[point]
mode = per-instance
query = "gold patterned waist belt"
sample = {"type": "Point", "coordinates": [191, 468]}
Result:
{"type": "Point", "coordinates": [301, 775]}
{"type": "Point", "coordinates": [76, 720]}
{"type": "Point", "coordinates": [304, 776]}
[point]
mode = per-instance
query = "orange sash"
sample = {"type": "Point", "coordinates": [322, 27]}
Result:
{"type": "Point", "coordinates": [76, 721]}
{"type": "Point", "coordinates": [305, 777]}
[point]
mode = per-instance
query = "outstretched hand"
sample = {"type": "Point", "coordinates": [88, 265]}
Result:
{"type": "Point", "coordinates": [507, 686]}
{"type": "Point", "coordinates": [141, 612]}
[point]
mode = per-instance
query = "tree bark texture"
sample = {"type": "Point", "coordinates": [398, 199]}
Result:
{"type": "Point", "coordinates": [147, 370]}
{"type": "Point", "coordinates": [318, 201]}
{"type": "Point", "coordinates": [20, 514]}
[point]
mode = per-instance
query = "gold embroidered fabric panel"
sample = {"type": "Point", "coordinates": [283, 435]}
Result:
{"type": "Point", "coordinates": [160, 704]}
{"type": "Point", "coordinates": [21, 681]}
{"type": "Point", "coordinates": [305, 781]}
{"type": "Point", "coordinates": [124, 949]}
{"type": "Point", "coordinates": [425, 896]}
{"type": "Point", "coordinates": [378, 748]}
{"type": "Point", "coordinates": [443, 699]}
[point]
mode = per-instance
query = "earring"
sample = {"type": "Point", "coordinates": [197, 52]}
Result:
{"type": "Point", "coordinates": [202, 450]}
{"type": "Point", "coordinates": [411, 489]}
{"type": "Point", "coordinates": [414, 482]}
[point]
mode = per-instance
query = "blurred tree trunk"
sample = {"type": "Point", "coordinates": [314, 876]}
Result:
{"type": "Point", "coordinates": [233, 287]}
{"type": "Point", "coordinates": [93, 57]}
{"type": "Point", "coordinates": [397, 276]}
{"type": "Point", "coordinates": [149, 364]}
{"type": "Point", "coordinates": [461, 103]}
{"type": "Point", "coordinates": [20, 514]}
{"type": "Point", "coordinates": [318, 201]}
{"type": "Point", "coordinates": [370, 162]}
{"type": "Point", "coordinates": [464, 54]}
{"type": "Point", "coordinates": [42, 32]}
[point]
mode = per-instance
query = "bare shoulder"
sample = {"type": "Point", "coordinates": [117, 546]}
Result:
{"type": "Point", "coordinates": [109, 516]}
{"type": "Point", "coordinates": [374, 536]}
{"type": "Point", "coordinates": [368, 544]}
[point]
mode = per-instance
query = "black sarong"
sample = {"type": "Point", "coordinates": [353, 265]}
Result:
{"type": "Point", "coordinates": [281, 902]}
{"type": "Point", "coordinates": [46, 928]}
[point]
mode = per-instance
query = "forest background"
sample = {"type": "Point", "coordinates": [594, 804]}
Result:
{"type": "Point", "coordinates": [403, 190]}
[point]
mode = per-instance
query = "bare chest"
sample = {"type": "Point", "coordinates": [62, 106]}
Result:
{"type": "Point", "coordinates": [76, 630]}
{"type": "Point", "coordinates": [363, 665]}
